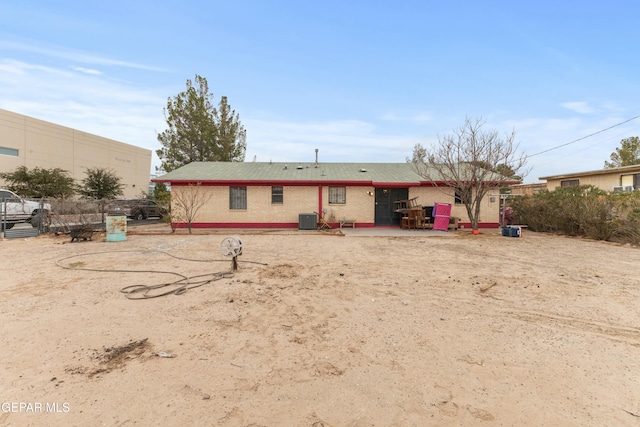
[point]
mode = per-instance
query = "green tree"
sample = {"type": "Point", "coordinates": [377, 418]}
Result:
{"type": "Point", "coordinates": [466, 163]}
{"type": "Point", "coordinates": [197, 131]}
{"type": "Point", "coordinates": [100, 184]}
{"type": "Point", "coordinates": [507, 171]}
{"type": "Point", "coordinates": [627, 154]}
{"type": "Point", "coordinates": [39, 182]}
{"type": "Point", "coordinates": [161, 194]}
{"type": "Point", "coordinates": [232, 136]}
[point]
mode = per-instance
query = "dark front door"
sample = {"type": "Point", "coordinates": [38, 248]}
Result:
{"type": "Point", "coordinates": [385, 206]}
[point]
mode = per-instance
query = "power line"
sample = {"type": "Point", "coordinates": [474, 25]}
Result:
{"type": "Point", "coordinates": [585, 137]}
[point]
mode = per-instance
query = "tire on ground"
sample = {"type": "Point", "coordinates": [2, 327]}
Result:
{"type": "Point", "coordinates": [40, 219]}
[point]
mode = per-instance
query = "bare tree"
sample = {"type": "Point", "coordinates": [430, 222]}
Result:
{"type": "Point", "coordinates": [469, 162]}
{"type": "Point", "coordinates": [187, 201]}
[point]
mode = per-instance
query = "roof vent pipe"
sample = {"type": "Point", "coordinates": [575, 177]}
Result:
{"type": "Point", "coordinates": [316, 157]}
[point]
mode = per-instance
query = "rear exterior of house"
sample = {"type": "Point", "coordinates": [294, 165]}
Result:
{"type": "Point", "coordinates": [275, 195]}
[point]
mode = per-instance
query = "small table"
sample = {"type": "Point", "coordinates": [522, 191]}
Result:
{"type": "Point", "coordinates": [349, 222]}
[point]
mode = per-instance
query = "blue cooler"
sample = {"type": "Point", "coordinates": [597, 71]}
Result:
{"type": "Point", "coordinates": [511, 231]}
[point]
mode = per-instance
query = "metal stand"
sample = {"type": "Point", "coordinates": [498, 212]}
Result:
{"type": "Point", "coordinates": [232, 246]}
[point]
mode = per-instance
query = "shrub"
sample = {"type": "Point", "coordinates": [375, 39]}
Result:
{"type": "Point", "coordinates": [582, 210]}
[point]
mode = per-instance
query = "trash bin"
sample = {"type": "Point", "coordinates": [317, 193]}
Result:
{"type": "Point", "coordinates": [116, 228]}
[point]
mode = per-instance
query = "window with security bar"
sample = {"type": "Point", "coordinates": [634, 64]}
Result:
{"type": "Point", "coordinates": [337, 195]}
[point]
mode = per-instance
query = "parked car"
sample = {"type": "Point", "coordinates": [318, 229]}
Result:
{"type": "Point", "coordinates": [19, 210]}
{"type": "Point", "coordinates": [145, 208]}
{"type": "Point", "coordinates": [136, 208]}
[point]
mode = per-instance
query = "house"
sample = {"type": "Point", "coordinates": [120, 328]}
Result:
{"type": "Point", "coordinates": [274, 195]}
{"type": "Point", "coordinates": [29, 142]}
{"type": "Point", "coordinates": [625, 178]}
{"type": "Point", "coordinates": [527, 189]}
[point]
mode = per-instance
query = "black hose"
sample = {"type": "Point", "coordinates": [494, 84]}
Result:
{"type": "Point", "coordinates": [178, 287]}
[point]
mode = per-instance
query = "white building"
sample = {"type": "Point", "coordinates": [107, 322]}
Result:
{"type": "Point", "coordinates": [26, 141]}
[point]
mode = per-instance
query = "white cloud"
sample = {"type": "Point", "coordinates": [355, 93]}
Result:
{"type": "Point", "coordinates": [554, 140]}
{"type": "Point", "coordinates": [337, 141]}
{"type": "Point", "coordinates": [72, 55]}
{"type": "Point", "coordinates": [20, 68]}
{"type": "Point", "coordinates": [85, 100]}
{"type": "Point", "coordinates": [578, 107]}
{"type": "Point", "coordinates": [420, 117]}
{"type": "Point", "coordinates": [87, 70]}
{"type": "Point", "coordinates": [357, 141]}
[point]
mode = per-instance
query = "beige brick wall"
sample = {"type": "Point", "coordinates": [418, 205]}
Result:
{"type": "Point", "coordinates": [296, 200]}
{"type": "Point", "coordinates": [427, 196]}
{"type": "Point", "coordinates": [360, 205]}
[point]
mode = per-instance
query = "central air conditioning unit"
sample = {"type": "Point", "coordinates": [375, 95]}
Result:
{"type": "Point", "coordinates": [618, 188]}
{"type": "Point", "coordinates": [628, 188]}
{"type": "Point", "coordinates": [308, 221]}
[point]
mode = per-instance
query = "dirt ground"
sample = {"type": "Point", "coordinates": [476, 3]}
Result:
{"type": "Point", "coordinates": [319, 329]}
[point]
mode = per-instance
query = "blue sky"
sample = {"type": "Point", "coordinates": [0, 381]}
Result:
{"type": "Point", "coordinates": [360, 81]}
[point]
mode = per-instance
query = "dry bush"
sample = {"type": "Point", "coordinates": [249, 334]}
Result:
{"type": "Point", "coordinates": [583, 210]}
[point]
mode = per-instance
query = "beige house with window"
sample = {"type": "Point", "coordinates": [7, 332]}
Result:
{"type": "Point", "coordinates": [625, 178]}
{"type": "Point", "coordinates": [275, 195]}
{"type": "Point", "coordinates": [26, 141]}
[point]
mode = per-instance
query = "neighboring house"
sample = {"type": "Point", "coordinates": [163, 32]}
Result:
{"type": "Point", "coordinates": [29, 142]}
{"type": "Point", "coordinates": [273, 195]}
{"type": "Point", "coordinates": [625, 178]}
{"type": "Point", "coordinates": [527, 189]}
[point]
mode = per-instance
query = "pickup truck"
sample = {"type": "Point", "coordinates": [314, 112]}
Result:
{"type": "Point", "coordinates": [137, 209]}
{"type": "Point", "coordinates": [19, 210]}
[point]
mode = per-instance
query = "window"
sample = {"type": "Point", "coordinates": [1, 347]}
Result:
{"type": "Point", "coordinates": [9, 151]}
{"type": "Point", "coordinates": [277, 195]}
{"type": "Point", "coordinates": [337, 195]}
{"type": "Point", "coordinates": [570, 183]}
{"type": "Point", "coordinates": [8, 196]}
{"type": "Point", "coordinates": [238, 198]}
{"type": "Point", "coordinates": [460, 196]}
